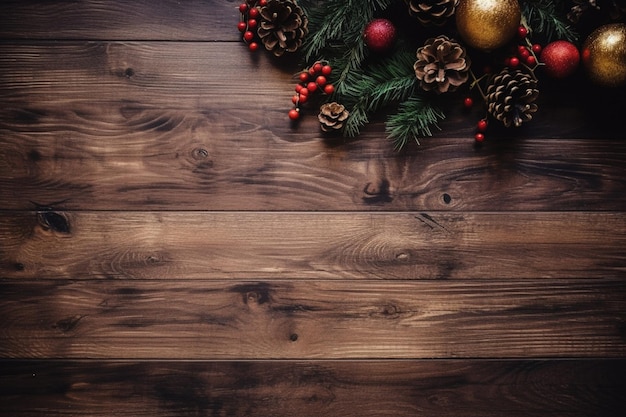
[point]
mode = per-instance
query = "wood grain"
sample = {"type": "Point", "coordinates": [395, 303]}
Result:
{"type": "Point", "coordinates": [165, 126]}
{"type": "Point", "coordinates": [182, 319]}
{"type": "Point", "coordinates": [297, 245]}
{"type": "Point", "coordinates": [570, 388]}
{"type": "Point", "coordinates": [189, 20]}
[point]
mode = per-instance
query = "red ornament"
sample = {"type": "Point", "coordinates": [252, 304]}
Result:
{"type": "Point", "coordinates": [379, 35]}
{"type": "Point", "coordinates": [561, 58]}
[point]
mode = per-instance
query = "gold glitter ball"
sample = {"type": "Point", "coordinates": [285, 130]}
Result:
{"type": "Point", "coordinates": [604, 55]}
{"type": "Point", "coordinates": [488, 24]}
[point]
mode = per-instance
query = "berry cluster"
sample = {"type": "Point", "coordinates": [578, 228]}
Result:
{"type": "Point", "coordinates": [311, 80]}
{"type": "Point", "coordinates": [526, 52]}
{"type": "Point", "coordinates": [249, 21]}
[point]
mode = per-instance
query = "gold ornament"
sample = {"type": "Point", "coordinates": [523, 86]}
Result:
{"type": "Point", "coordinates": [488, 24]}
{"type": "Point", "coordinates": [604, 55]}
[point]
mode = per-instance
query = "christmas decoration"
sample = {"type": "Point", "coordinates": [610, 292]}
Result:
{"type": "Point", "coordinates": [379, 35]}
{"type": "Point", "coordinates": [282, 27]}
{"type": "Point", "coordinates": [560, 59]}
{"type": "Point", "coordinates": [487, 24]}
{"type": "Point", "coordinates": [511, 97]}
{"type": "Point", "coordinates": [432, 12]}
{"type": "Point", "coordinates": [331, 116]}
{"type": "Point", "coordinates": [604, 55]}
{"type": "Point", "coordinates": [442, 65]}
{"type": "Point", "coordinates": [418, 59]}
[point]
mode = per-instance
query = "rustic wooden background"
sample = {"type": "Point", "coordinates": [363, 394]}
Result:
{"type": "Point", "coordinates": [172, 246]}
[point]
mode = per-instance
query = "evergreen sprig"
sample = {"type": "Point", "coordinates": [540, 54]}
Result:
{"type": "Point", "coordinates": [416, 117]}
{"type": "Point", "coordinates": [367, 90]}
{"type": "Point", "coordinates": [545, 20]}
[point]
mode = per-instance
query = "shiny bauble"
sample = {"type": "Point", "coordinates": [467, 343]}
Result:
{"type": "Point", "coordinates": [379, 35]}
{"type": "Point", "coordinates": [487, 24]}
{"type": "Point", "coordinates": [560, 59]}
{"type": "Point", "coordinates": [604, 55]}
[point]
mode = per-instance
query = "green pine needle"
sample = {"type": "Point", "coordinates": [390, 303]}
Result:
{"type": "Point", "coordinates": [544, 19]}
{"type": "Point", "coordinates": [416, 117]}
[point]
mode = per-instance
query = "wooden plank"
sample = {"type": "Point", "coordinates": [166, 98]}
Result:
{"type": "Point", "coordinates": [465, 388]}
{"type": "Point", "coordinates": [184, 319]}
{"type": "Point", "coordinates": [297, 245]}
{"type": "Point", "coordinates": [191, 20]}
{"type": "Point", "coordinates": [170, 126]}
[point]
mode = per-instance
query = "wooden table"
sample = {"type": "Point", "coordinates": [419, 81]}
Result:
{"type": "Point", "coordinates": [172, 246]}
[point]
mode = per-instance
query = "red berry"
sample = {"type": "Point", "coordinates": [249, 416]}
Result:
{"type": "Point", "coordinates": [242, 27]}
{"type": "Point", "coordinates": [321, 81]}
{"type": "Point", "coordinates": [253, 46]}
{"type": "Point", "coordinates": [253, 13]}
{"type": "Point", "coordinates": [262, 3]}
{"type": "Point", "coordinates": [536, 48]}
{"type": "Point", "coordinates": [468, 102]}
{"type": "Point", "coordinates": [329, 89]}
{"type": "Point", "coordinates": [523, 52]}
{"type": "Point", "coordinates": [295, 99]}
{"type": "Point", "coordinates": [311, 87]}
{"type": "Point", "coordinates": [522, 32]}
{"type": "Point", "coordinates": [479, 137]}
{"type": "Point", "coordinates": [513, 62]}
{"type": "Point", "coordinates": [252, 24]}
{"type": "Point", "coordinates": [298, 88]}
{"type": "Point", "coordinates": [481, 126]}
{"type": "Point", "coordinates": [311, 71]}
{"type": "Point", "coordinates": [531, 61]}
{"type": "Point", "coordinates": [327, 69]}
{"type": "Point", "coordinates": [248, 36]}
{"type": "Point", "coordinates": [303, 98]}
{"type": "Point", "coordinates": [304, 77]}
{"type": "Point", "coordinates": [243, 7]}
{"type": "Point", "coordinates": [304, 91]}
{"type": "Point", "coordinates": [294, 114]}
{"type": "Point", "coordinates": [561, 58]}
{"type": "Point", "coordinates": [317, 67]}
{"type": "Point", "coordinates": [379, 35]}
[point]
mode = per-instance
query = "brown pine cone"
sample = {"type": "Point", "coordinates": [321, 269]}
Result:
{"type": "Point", "coordinates": [331, 117]}
{"type": "Point", "coordinates": [511, 97]}
{"type": "Point", "coordinates": [432, 12]}
{"type": "Point", "coordinates": [442, 65]}
{"type": "Point", "coordinates": [283, 26]}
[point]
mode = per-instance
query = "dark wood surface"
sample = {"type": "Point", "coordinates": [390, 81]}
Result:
{"type": "Point", "coordinates": [171, 246]}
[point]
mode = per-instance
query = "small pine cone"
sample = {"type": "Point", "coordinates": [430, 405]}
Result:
{"type": "Point", "coordinates": [331, 117]}
{"type": "Point", "coordinates": [442, 65]}
{"type": "Point", "coordinates": [432, 12]}
{"type": "Point", "coordinates": [283, 26]}
{"type": "Point", "coordinates": [511, 97]}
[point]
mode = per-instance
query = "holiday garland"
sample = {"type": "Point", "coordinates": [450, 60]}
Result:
{"type": "Point", "coordinates": [410, 57]}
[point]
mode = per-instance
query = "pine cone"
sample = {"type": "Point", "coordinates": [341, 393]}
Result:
{"type": "Point", "coordinates": [283, 26]}
{"type": "Point", "coordinates": [432, 12]}
{"type": "Point", "coordinates": [331, 117]}
{"type": "Point", "coordinates": [511, 97]}
{"type": "Point", "coordinates": [442, 65]}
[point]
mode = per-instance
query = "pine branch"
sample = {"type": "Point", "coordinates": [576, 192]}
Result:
{"type": "Point", "coordinates": [544, 19]}
{"type": "Point", "coordinates": [415, 119]}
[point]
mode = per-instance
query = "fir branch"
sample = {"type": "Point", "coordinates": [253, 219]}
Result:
{"type": "Point", "coordinates": [367, 90]}
{"type": "Point", "coordinates": [332, 22]}
{"type": "Point", "coordinates": [416, 117]}
{"type": "Point", "coordinates": [543, 18]}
